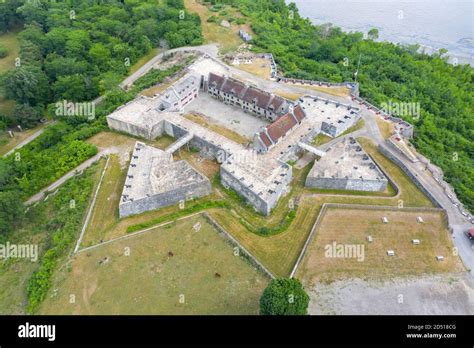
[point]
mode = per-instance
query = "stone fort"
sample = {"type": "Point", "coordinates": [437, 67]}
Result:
{"type": "Point", "coordinates": [258, 172]}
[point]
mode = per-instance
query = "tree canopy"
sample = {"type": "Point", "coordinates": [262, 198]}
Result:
{"type": "Point", "coordinates": [68, 49]}
{"type": "Point", "coordinates": [284, 296]}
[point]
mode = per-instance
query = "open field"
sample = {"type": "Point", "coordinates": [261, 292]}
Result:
{"type": "Point", "coordinates": [209, 168]}
{"type": "Point", "coordinates": [14, 273]}
{"type": "Point", "coordinates": [107, 139]}
{"type": "Point", "coordinates": [336, 91]}
{"type": "Point", "coordinates": [143, 60]}
{"type": "Point", "coordinates": [157, 89]}
{"type": "Point", "coordinates": [227, 38]}
{"type": "Point", "coordinates": [352, 226]}
{"type": "Point", "coordinates": [410, 194]}
{"type": "Point", "coordinates": [105, 213]}
{"type": "Point", "coordinates": [161, 142]}
{"type": "Point", "coordinates": [289, 95]}
{"type": "Point", "coordinates": [124, 143]}
{"type": "Point", "coordinates": [359, 125]}
{"type": "Point", "coordinates": [259, 67]}
{"type": "Point", "coordinates": [151, 280]}
{"type": "Point", "coordinates": [390, 191]}
{"type": "Point", "coordinates": [35, 228]}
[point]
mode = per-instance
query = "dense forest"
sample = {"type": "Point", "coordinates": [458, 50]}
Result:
{"type": "Point", "coordinates": [387, 72]}
{"type": "Point", "coordinates": [76, 50]}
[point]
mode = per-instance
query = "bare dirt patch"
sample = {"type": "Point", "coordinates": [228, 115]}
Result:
{"type": "Point", "coordinates": [429, 295]}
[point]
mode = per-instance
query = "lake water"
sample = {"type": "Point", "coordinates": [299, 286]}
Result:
{"type": "Point", "coordinates": [433, 24]}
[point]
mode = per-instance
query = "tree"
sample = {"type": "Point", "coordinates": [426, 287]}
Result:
{"type": "Point", "coordinates": [99, 56]}
{"type": "Point", "coordinates": [8, 15]}
{"type": "Point", "coordinates": [75, 87]}
{"type": "Point", "coordinates": [11, 208]}
{"type": "Point", "coordinates": [78, 43]}
{"type": "Point", "coordinates": [29, 52]}
{"type": "Point", "coordinates": [3, 51]}
{"type": "Point", "coordinates": [27, 85]}
{"type": "Point", "coordinates": [373, 34]}
{"type": "Point", "coordinates": [26, 115]}
{"type": "Point", "coordinates": [284, 296]}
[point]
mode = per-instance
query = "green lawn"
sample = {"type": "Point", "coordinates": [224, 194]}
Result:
{"type": "Point", "coordinates": [321, 139]}
{"type": "Point", "coordinates": [10, 42]}
{"type": "Point", "coordinates": [105, 213]}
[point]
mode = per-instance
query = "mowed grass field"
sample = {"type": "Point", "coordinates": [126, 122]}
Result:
{"type": "Point", "coordinates": [352, 226]}
{"type": "Point", "coordinates": [259, 67]}
{"type": "Point", "coordinates": [164, 266]}
{"type": "Point", "coordinates": [336, 91]}
{"type": "Point", "coordinates": [105, 213]}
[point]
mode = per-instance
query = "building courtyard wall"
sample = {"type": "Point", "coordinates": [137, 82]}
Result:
{"type": "Point", "coordinates": [165, 199]}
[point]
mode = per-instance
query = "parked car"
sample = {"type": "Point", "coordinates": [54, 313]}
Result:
{"type": "Point", "coordinates": [470, 234]}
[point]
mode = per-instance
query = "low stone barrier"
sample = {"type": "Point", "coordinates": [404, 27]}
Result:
{"type": "Point", "coordinates": [412, 176]}
{"type": "Point", "coordinates": [238, 245]}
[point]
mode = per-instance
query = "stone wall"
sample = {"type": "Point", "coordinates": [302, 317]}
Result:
{"type": "Point", "coordinates": [261, 205]}
{"type": "Point", "coordinates": [336, 129]}
{"type": "Point", "coordinates": [229, 181]}
{"type": "Point", "coordinates": [413, 177]}
{"type": "Point", "coordinates": [194, 190]}
{"type": "Point", "coordinates": [128, 128]}
{"type": "Point", "coordinates": [347, 184]}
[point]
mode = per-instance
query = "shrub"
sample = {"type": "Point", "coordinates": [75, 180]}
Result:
{"type": "Point", "coordinates": [3, 51]}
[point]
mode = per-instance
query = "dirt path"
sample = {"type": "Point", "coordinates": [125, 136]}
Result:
{"type": "Point", "coordinates": [29, 139]}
